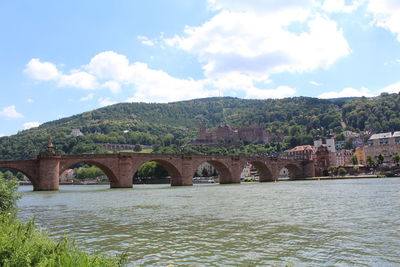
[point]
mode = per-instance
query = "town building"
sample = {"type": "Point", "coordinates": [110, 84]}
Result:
{"type": "Point", "coordinates": [387, 144]}
{"type": "Point", "coordinates": [348, 134]}
{"type": "Point", "coordinates": [343, 157]}
{"type": "Point", "coordinates": [321, 159]}
{"type": "Point", "coordinates": [75, 133]}
{"type": "Point", "coordinates": [299, 153]}
{"type": "Point", "coordinates": [360, 154]}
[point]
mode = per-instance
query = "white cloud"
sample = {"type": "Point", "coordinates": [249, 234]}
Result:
{"type": "Point", "coordinates": [109, 65]}
{"type": "Point", "coordinates": [259, 44]}
{"type": "Point", "coordinates": [336, 6]}
{"type": "Point", "coordinates": [113, 86]}
{"type": "Point", "coordinates": [393, 88]}
{"type": "Point", "coordinates": [32, 124]}
{"type": "Point", "coordinates": [10, 112]}
{"type": "Point", "coordinates": [270, 6]}
{"type": "Point", "coordinates": [158, 86]}
{"type": "Point", "coordinates": [79, 79]}
{"type": "Point", "coordinates": [87, 97]}
{"type": "Point", "coordinates": [29, 100]}
{"type": "Point", "coordinates": [145, 40]}
{"type": "Point", "coordinates": [47, 71]}
{"type": "Point", "coordinates": [105, 101]}
{"type": "Point", "coordinates": [279, 92]}
{"type": "Point", "coordinates": [1, 135]}
{"type": "Point", "coordinates": [315, 83]}
{"type": "Point", "coordinates": [43, 71]}
{"type": "Point", "coordinates": [386, 15]}
{"type": "Point", "coordinates": [347, 92]}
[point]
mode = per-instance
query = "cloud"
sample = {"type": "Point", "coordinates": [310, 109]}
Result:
{"type": "Point", "coordinates": [109, 65]}
{"type": "Point", "coordinates": [29, 100]}
{"type": "Point", "coordinates": [338, 6]}
{"type": "Point", "coordinates": [10, 112]}
{"type": "Point", "coordinates": [148, 85]}
{"type": "Point", "coordinates": [145, 40]}
{"type": "Point", "coordinates": [32, 124]}
{"type": "Point", "coordinates": [105, 101]}
{"type": "Point", "coordinates": [270, 6]}
{"type": "Point", "coordinates": [43, 71]}
{"type": "Point", "coordinates": [393, 88]}
{"type": "Point", "coordinates": [279, 92]}
{"type": "Point", "coordinates": [386, 14]}
{"type": "Point", "coordinates": [113, 86]}
{"type": "Point", "coordinates": [47, 71]}
{"type": "Point", "coordinates": [79, 79]}
{"type": "Point", "coordinates": [259, 44]}
{"type": "Point", "coordinates": [347, 92]}
{"type": "Point", "coordinates": [87, 97]}
{"type": "Point", "coordinates": [315, 83]}
{"type": "Point", "coordinates": [1, 135]}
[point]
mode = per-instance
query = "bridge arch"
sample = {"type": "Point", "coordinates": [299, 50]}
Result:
{"type": "Point", "coordinates": [294, 171]}
{"type": "Point", "coordinates": [103, 167]}
{"type": "Point", "coordinates": [170, 167]}
{"type": "Point", "coordinates": [225, 174]}
{"type": "Point", "coordinates": [265, 174]}
{"type": "Point", "coordinates": [29, 175]}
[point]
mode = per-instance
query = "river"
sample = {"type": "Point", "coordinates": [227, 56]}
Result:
{"type": "Point", "coordinates": [296, 223]}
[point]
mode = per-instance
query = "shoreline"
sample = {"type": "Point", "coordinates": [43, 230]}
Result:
{"type": "Point", "coordinates": [278, 180]}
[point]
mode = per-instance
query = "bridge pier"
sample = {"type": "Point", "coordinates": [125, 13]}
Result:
{"type": "Point", "coordinates": [182, 181]}
{"type": "Point", "coordinates": [48, 180]}
{"type": "Point", "coordinates": [233, 177]}
{"type": "Point", "coordinates": [124, 178]}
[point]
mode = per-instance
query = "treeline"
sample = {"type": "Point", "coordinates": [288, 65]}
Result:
{"type": "Point", "coordinates": [170, 127]}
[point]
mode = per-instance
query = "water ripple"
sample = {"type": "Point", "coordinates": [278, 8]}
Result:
{"type": "Point", "coordinates": [305, 223]}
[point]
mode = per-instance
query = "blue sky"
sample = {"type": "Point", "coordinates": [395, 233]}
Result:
{"type": "Point", "coordinates": [60, 58]}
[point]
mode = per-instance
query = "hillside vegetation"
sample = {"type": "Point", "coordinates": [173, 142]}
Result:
{"type": "Point", "coordinates": [169, 127]}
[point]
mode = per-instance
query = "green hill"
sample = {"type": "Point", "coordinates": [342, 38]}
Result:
{"type": "Point", "coordinates": [169, 126]}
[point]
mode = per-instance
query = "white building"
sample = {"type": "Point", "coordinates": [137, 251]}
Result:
{"type": "Point", "coordinates": [75, 133]}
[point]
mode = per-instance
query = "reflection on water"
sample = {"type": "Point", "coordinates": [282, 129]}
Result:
{"type": "Point", "coordinates": [346, 222]}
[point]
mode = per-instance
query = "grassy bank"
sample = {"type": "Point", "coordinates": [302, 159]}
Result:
{"type": "Point", "coordinates": [22, 244]}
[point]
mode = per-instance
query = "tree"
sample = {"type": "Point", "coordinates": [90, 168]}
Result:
{"type": "Point", "coordinates": [8, 175]}
{"type": "Point", "coordinates": [396, 158]}
{"type": "Point", "coordinates": [370, 161]}
{"type": "Point", "coordinates": [380, 159]}
{"type": "Point", "coordinates": [8, 195]}
{"type": "Point", "coordinates": [88, 173]}
{"type": "Point", "coordinates": [332, 170]}
{"type": "Point", "coordinates": [342, 171]}
{"type": "Point", "coordinates": [137, 148]}
{"type": "Point", "coordinates": [354, 160]}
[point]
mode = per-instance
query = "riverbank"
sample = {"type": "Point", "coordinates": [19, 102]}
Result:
{"type": "Point", "coordinates": [212, 181]}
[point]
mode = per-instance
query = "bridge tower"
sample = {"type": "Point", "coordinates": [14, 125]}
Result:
{"type": "Point", "coordinates": [48, 169]}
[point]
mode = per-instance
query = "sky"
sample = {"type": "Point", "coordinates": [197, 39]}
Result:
{"type": "Point", "coordinates": [60, 58]}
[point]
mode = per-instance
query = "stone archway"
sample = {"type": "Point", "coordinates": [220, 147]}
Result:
{"type": "Point", "coordinates": [105, 169]}
{"type": "Point", "coordinates": [294, 171]}
{"type": "Point", "coordinates": [225, 175]}
{"type": "Point", "coordinates": [175, 174]}
{"type": "Point", "coordinates": [28, 175]}
{"type": "Point", "coordinates": [265, 174]}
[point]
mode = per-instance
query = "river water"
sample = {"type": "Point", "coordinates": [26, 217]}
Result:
{"type": "Point", "coordinates": [297, 223]}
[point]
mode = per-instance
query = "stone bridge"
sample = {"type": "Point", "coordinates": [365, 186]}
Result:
{"type": "Point", "coordinates": [44, 171]}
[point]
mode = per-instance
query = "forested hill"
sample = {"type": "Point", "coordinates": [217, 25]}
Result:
{"type": "Point", "coordinates": [169, 126]}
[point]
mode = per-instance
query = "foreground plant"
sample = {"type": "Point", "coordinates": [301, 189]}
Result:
{"type": "Point", "coordinates": [23, 245]}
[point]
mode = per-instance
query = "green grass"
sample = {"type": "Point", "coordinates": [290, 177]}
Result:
{"type": "Point", "coordinates": [24, 245]}
{"type": "Point", "coordinates": [21, 244]}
